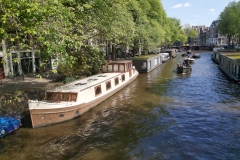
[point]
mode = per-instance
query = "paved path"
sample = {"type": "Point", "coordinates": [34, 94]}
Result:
{"type": "Point", "coordinates": [29, 83]}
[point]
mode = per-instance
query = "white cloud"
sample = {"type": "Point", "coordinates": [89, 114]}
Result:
{"type": "Point", "coordinates": [177, 6]}
{"type": "Point", "coordinates": [187, 4]}
{"type": "Point", "coordinates": [181, 5]}
{"type": "Point", "coordinates": [212, 10]}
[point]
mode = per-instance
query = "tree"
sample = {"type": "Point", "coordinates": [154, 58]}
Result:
{"type": "Point", "coordinates": [228, 23]}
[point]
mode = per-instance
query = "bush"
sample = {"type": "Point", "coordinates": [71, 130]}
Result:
{"type": "Point", "coordinates": [86, 62]}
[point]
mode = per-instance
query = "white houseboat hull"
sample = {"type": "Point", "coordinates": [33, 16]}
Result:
{"type": "Point", "coordinates": [43, 113]}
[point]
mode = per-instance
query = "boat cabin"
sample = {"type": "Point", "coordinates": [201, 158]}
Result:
{"type": "Point", "coordinates": [59, 96]}
{"type": "Point", "coordinates": [117, 67]}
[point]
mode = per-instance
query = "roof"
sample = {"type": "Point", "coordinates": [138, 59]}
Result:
{"type": "Point", "coordinates": [85, 83]}
{"type": "Point", "coordinates": [125, 61]}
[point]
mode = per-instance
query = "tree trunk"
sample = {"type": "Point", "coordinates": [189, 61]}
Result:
{"type": "Point", "coordinates": [113, 53]}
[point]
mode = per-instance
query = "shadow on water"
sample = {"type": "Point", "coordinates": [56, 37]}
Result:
{"type": "Point", "coordinates": [161, 115]}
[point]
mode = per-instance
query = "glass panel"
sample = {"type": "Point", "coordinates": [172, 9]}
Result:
{"type": "Point", "coordinates": [143, 66]}
{"type": "Point", "coordinates": [109, 68]}
{"type": "Point", "coordinates": [115, 68]}
{"type": "Point", "coordinates": [104, 68]}
{"type": "Point", "coordinates": [49, 96]}
{"type": "Point", "coordinates": [65, 97]}
{"type": "Point", "coordinates": [98, 90]}
{"type": "Point", "coordinates": [108, 85]}
{"type": "Point", "coordinates": [56, 96]}
{"type": "Point", "coordinates": [116, 81]}
{"type": "Point", "coordinates": [121, 68]}
{"type": "Point", "coordinates": [73, 97]}
{"type": "Point", "coordinates": [123, 77]}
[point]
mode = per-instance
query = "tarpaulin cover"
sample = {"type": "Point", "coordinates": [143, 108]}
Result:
{"type": "Point", "coordinates": [7, 125]}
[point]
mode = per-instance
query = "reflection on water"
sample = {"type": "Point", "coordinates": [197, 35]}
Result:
{"type": "Point", "coordinates": [161, 115]}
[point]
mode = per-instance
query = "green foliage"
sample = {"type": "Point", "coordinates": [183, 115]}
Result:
{"type": "Point", "coordinates": [229, 22]}
{"type": "Point", "coordinates": [64, 28]}
{"type": "Point", "coordinates": [86, 61]}
{"type": "Point", "coordinates": [70, 79]}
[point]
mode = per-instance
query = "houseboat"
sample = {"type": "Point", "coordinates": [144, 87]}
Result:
{"type": "Point", "coordinates": [73, 99]}
{"type": "Point", "coordinates": [147, 65]}
{"type": "Point", "coordinates": [230, 65]}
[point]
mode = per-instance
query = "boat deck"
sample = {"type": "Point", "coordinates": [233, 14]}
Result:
{"type": "Point", "coordinates": [85, 83]}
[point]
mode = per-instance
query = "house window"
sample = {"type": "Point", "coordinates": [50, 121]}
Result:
{"type": "Point", "coordinates": [108, 85]}
{"type": "Point", "coordinates": [116, 81]}
{"type": "Point", "coordinates": [123, 77]}
{"type": "Point", "coordinates": [98, 90]}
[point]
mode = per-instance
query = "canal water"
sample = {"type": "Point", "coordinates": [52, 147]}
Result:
{"type": "Point", "coordinates": [161, 115]}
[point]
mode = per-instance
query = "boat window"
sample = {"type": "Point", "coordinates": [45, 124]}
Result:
{"type": "Point", "coordinates": [115, 68]}
{"type": "Point", "coordinates": [61, 115]}
{"type": "Point", "coordinates": [65, 97]}
{"type": "Point", "coordinates": [98, 90]}
{"type": "Point", "coordinates": [104, 68]}
{"type": "Point", "coordinates": [116, 81]}
{"type": "Point", "coordinates": [108, 85]}
{"type": "Point", "coordinates": [73, 97]}
{"type": "Point", "coordinates": [123, 78]}
{"type": "Point", "coordinates": [109, 68]}
{"type": "Point", "coordinates": [49, 96]}
{"type": "Point", "coordinates": [56, 96]}
{"type": "Point", "coordinates": [42, 117]}
{"type": "Point", "coordinates": [121, 68]}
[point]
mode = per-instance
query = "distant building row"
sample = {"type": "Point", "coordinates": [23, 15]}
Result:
{"type": "Point", "coordinates": [208, 35]}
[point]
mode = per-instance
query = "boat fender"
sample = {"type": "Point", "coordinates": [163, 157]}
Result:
{"type": "Point", "coordinates": [3, 132]}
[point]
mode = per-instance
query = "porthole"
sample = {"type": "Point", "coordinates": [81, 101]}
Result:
{"type": "Point", "coordinates": [116, 81]}
{"type": "Point", "coordinates": [76, 113]}
{"type": "Point", "coordinates": [42, 117]}
{"type": "Point", "coordinates": [98, 90]}
{"type": "Point", "coordinates": [61, 115]}
{"type": "Point", "coordinates": [123, 78]}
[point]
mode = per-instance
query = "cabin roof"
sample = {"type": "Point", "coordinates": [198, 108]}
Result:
{"type": "Point", "coordinates": [85, 83]}
{"type": "Point", "coordinates": [116, 62]}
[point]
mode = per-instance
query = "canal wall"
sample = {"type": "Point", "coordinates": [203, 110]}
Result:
{"type": "Point", "coordinates": [11, 103]}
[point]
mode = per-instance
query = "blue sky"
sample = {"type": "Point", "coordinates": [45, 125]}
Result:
{"type": "Point", "coordinates": [195, 12]}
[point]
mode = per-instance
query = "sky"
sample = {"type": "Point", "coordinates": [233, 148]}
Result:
{"type": "Point", "coordinates": [195, 12]}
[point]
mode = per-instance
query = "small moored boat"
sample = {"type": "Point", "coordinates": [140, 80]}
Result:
{"type": "Point", "coordinates": [184, 68]}
{"type": "Point", "coordinates": [73, 99]}
{"type": "Point", "coordinates": [184, 54]}
{"type": "Point", "coordinates": [188, 60]}
{"type": "Point", "coordinates": [165, 57]}
{"type": "Point", "coordinates": [189, 51]}
{"type": "Point", "coordinates": [196, 55]}
{"type": "Point", "coordinates": [9, 123]}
